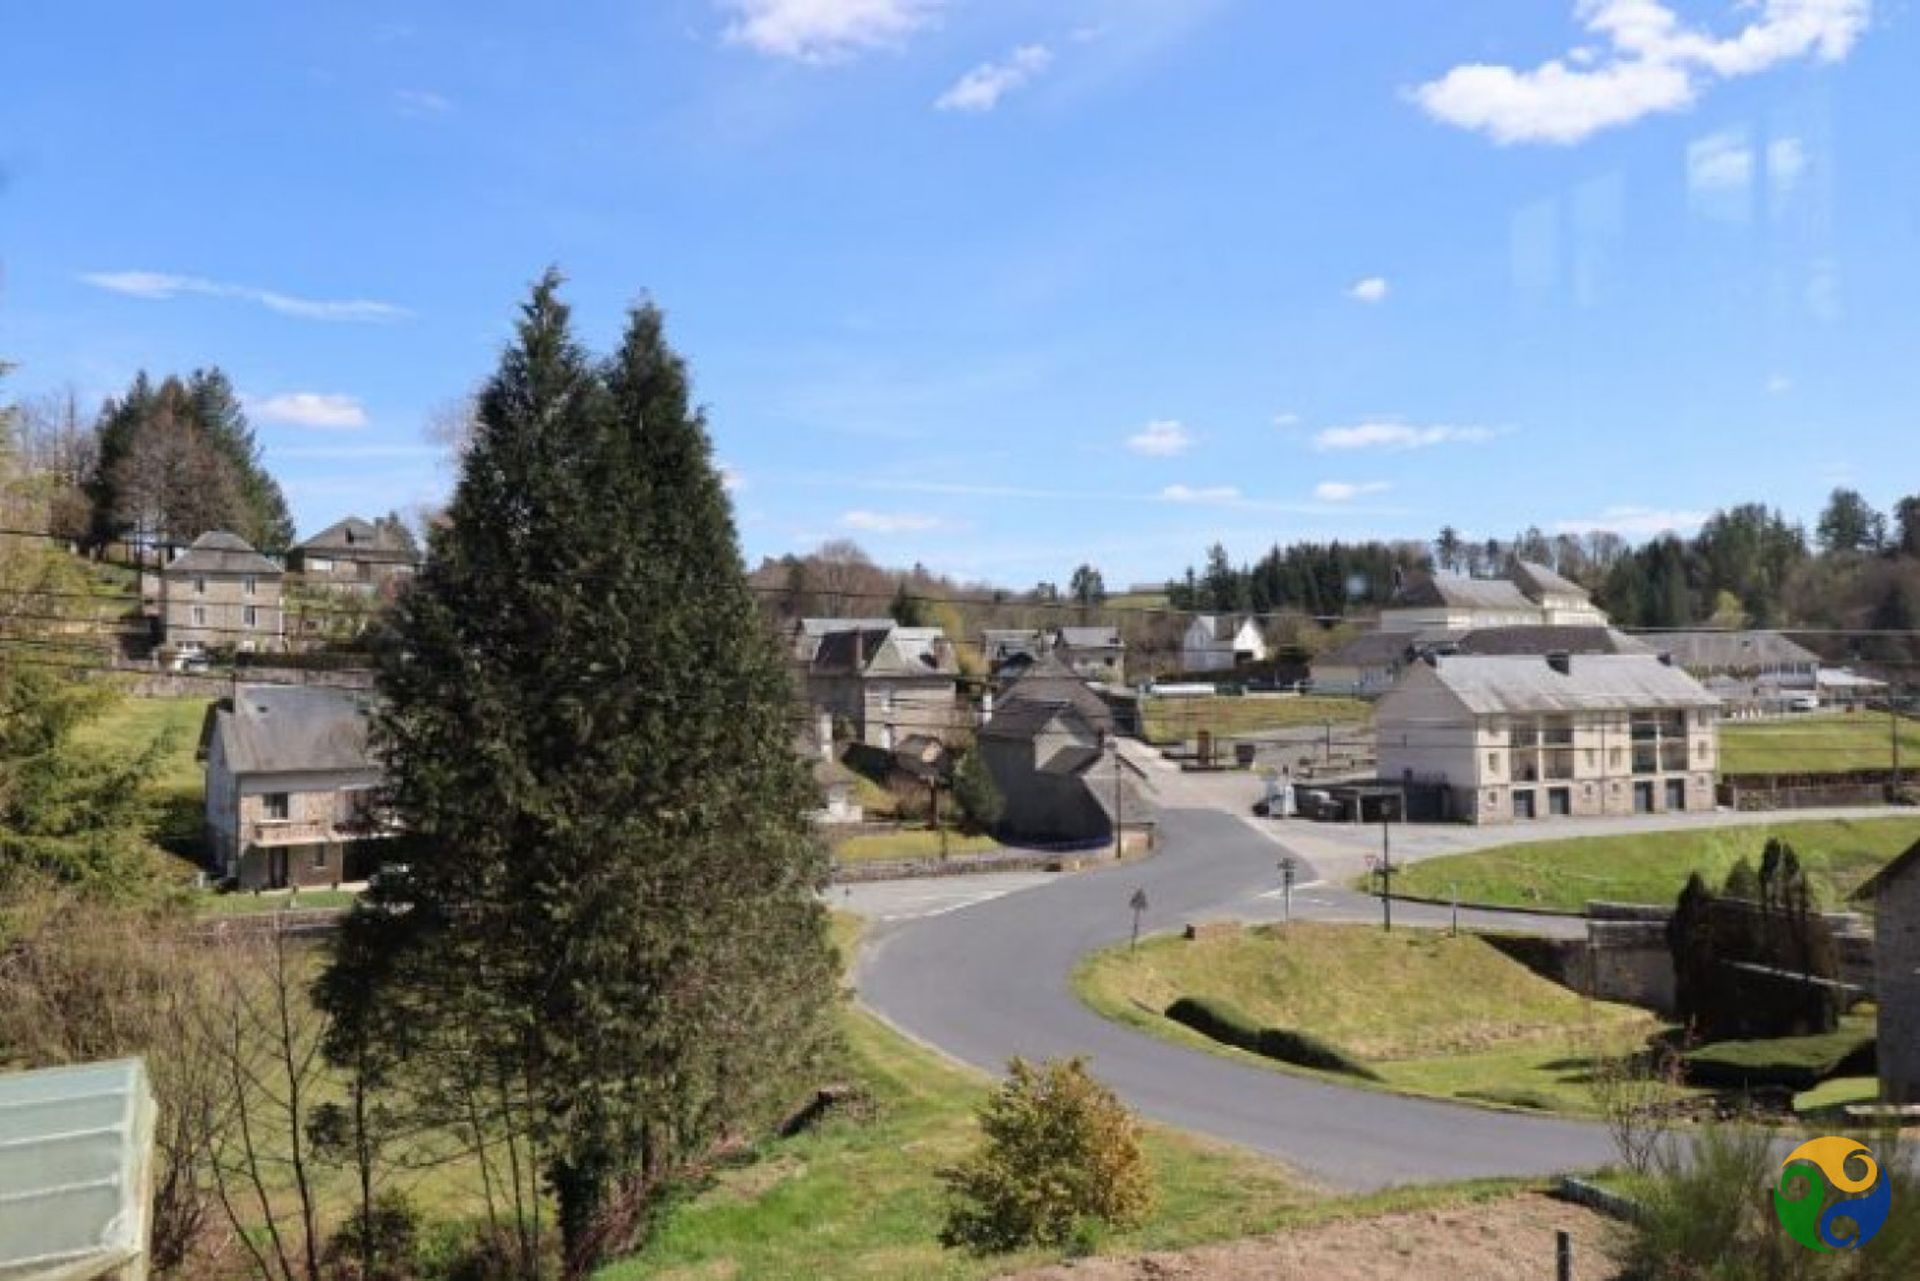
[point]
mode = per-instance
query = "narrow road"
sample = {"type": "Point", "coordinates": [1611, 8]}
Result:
{"type": "Point", "coordinates": [989, 979]}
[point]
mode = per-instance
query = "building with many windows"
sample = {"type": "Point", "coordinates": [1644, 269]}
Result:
{"type": "Point", "coordinates": [221, 594]}
{"type": "Point", "coordinates": [1504, 738]}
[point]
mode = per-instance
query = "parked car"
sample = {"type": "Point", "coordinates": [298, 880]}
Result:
{"type": "Point", "coordinates": [1804, 703]}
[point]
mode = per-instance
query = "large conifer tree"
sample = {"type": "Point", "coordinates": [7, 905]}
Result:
{"type": "Point", "coordinates": [588, 729]}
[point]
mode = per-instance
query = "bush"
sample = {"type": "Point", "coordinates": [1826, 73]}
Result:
{"type": "Point", "coordinates": [1060, 1155]}
{"type": "Point", "coordinates": [393, 1229]}
{"type": "Point", "coordinates": [1793, 1062]}
{"type": "Point", "coordinates": [1224, 1023]}
{"type": "Point", "coordinates": [1708, 1213]}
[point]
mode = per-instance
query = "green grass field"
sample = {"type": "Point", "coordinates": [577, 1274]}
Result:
{"type": "Point", "coordinates": [1175, 720]}
{"type": "Point", "coordinates": [1651, 867]}
{"type": "Point", "coordinates": [1452, 1017]}
{"type": "Point", "coordinates": [179, 783]}
{"type": "Point", "coordinates": [1816, 744]}
{"type": "Point", "coordinates": [909, 842]}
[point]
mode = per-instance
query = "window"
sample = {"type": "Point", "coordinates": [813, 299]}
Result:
{"type": "Point", "coordinates": [1615, 757]}
{"type": "Point", "coordinates": [319, 858]}
{"type": "Point", "coordinates": [1493, 762]}
{"type": "Point", "coordinates": [275, 805]}
{"type": "Point", "coordinates": [319, 565]}
{"type": "Point", "coordinates": [250, 616]}
{"type": "Point", "coordinates": [1593, 758]}
{"type": "Point", "coordinates": [199, 615]}
{"type": "Point", "coordinates": [199, 584]}
{"type": "Point", "coordinates": [248, 584]}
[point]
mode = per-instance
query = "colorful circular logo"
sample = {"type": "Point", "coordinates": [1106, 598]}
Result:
{"type": "Point", "coordinates": [1817, 1169]}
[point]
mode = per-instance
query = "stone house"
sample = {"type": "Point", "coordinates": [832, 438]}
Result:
{"type": "Point", "coordinates": [290, 786]}
{"type": "Point", "coordinates": [221, 594]}
{"type": "Point", "coordinates": [1532, 596]}
{"type": "Point", "coordinates": [1056, 779]}
{"type": "Point", "coordinates": [1009, 651]}
{"type": "Point", "coordinates": [808, 632]}
{"type": "Point", "coordinates": [1367, 665]}
{"type": "Point", "coordinates": [881, 685]}
{"type": "Point", "coordinates": [1220, 643]}
{"type": "Point", "coordinates": [1510, 738]}
{"type": "Point", "coordinates": [353, 555]}
{"type": "Point", "coordinates": [1895, 892]}
{"type": "Point", "coordinates": [1093, 653]}
{"type": "Point", "coordinates": [1051, 681]}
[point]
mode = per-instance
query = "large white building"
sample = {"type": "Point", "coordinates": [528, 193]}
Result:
{"type": "Point", "coordinates": [1514, 738]}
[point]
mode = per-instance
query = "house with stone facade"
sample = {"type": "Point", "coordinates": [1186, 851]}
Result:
{"type": "Point", "coordinates": [1093, 653]}
{"type": "Point", "coordinates": [290, 786]}
{"type": "Point", "coordinates": [881, 685]}
{"type": "Point", "coordinates": [221, 594]}
{"type": "Point", "coordinates": [1514, 738]}
{"type": "Point", "coordinates": [354, 555]}
{"type": "Point", "coordinates": [1895, 894]}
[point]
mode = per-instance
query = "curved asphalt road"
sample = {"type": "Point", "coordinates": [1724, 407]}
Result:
{"type": "Point", "coordinates": [990, 981]}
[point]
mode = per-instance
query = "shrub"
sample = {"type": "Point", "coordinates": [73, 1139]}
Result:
{"type": "Point", "coordinates": [391, 1229]}
{"type": "Point", "coordinates": [1224, 1023]}
{"type": "Point", "coordinates": [1059, 1155]}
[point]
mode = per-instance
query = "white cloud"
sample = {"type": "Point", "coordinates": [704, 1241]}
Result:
{"type": "Point", "coordinates": [1786, 161]}
{"type": "Point", "coordinates": [821, 31]}
{"type": "Point", "coordinates": [1399, 436]}
{"type": "Point", "coordinates": [731, 478]}
{"type": "Point", "coordinates": [325, 410]}
{"type": "Point", "coordinates": [1206, 494]}
{"type": "Point", "coordinates": [1643, 521]}
{"type": "Point", "coordinates": [1372, 289]}
{"type": "Point", "coordinates": [160, 286]}
{"type": "Point", "coordinates": [868, 522]}
{"type": "Point", "coordinates": [1720, 162]}
{"type": "Point", "coordinates": [1779, 385]}
{"type": "Point", "coordinates": [422, 102]}
{"type": "Point", "coordinates": [1340, 491]}
{"type": "Point", "coordinates": [1286, 420]}
{"type": "Point", "coordinates": [1162, 438]}
{"type": "Point", "coordinates": [1652, 62]}
{"type": "Point", "coordinates": [981, 89]}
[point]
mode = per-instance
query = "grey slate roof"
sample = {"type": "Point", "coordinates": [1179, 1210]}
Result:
{"type": "Point", "coordinates": [1593, 682]}
{"type": "Point", "coordinates": [1090, 637]}
{"type": "Point", "coordinates": [1733, 651]}
{"type": "Point", "coordinates": [218, 552]}
{"type": "Point", "coordinates": [1536, 580]}
{"type": "Point", "coordinates": [292, 729]}
{"type": "Point", "coordinates": [1026, 719]}
{"type": "Point", "coordinates": [1051, 681]}
{"type": "Point", "coordinates": [1380, 648]}
{"type": "Point", "coordinates": [1899, 867]}
{"type": "Point", "coordinates": [1457, 591]}
{"type": "Point", "coordinates": [824, 626]}
{"type": "Point", "coordinates": [355, 539]}
{"type": "Point", "coordinates": [1556, 639]}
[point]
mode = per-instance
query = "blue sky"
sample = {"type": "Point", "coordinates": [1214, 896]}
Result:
{"type": "Point", "coordinates": [1005, 286]}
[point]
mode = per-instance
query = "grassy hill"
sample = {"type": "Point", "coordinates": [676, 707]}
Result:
{"type": "Point", "coordinates": [1651, 867]}
{"type": "Point", "coordinates": [1821, 744]}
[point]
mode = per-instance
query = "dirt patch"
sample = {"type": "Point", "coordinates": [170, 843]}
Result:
{"type": "Point", "coordinates": [1511, 1240]}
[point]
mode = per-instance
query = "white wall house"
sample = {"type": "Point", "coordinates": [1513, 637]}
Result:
{"type": "Point", "coordinates": [1220, 643]}
{"type": "Point", "coordinates": [1520, 738]}
{"type": "Point", "coordinates": [1534, 596]}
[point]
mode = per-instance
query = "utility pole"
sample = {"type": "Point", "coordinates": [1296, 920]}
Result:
{"type": "Point", "coordinates": [1386, 871]}
{"type": "Point", "coordinates": [1893, 735]}
{"type": "Point", "coordinates": [1119, 819]}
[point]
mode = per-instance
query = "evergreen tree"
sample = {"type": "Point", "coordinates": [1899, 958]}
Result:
{"type": "Point", "coordinates": [976, 793]}
{"type": "Point", "coordinates": [610, 872]}
{"type": "Point", "coordinates": [1087, 587]}
{"type": "Point", "coordinates": [1850, 524]}
{"type": "Point", "coordinates": [906, 609]}
{"type": "Point", "coordinates": [1742, 881]}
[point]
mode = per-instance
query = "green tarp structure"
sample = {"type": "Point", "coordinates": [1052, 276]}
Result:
{"type": "Point", "coordinates": [76, 1165]}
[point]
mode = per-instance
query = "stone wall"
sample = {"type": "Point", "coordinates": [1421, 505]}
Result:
{"type": "Point", "coordinates": [1897, 945]}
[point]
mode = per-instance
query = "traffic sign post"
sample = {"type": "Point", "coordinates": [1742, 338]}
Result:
{"type": "Point", "coordinates": [1287, 865]}
{"type": "Point", "coordinates": [1139, 905]}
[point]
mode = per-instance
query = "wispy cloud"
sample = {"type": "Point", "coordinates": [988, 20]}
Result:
{"type": "Point", "coordinates": [871, 522]}
{"type": "Point", "coordinates": [1720, 162]}
{"type": "Point", "coordinates": [1779, 385]}
{"type": "Point", "coordinates": [1214, 495]}
{"type": "Point", "coordinates": [325, 410]}
{"type": "Point", "coordinates": [1399, 437]}
{"type": "Point", "coordinates": [981, 89]}
{"type": "Point", "coordinates": [1372, 289]}
{"type": "Point", "coordinates": [1161, 438]}
{"type": "Point", "coordinates": [422, 102]}
{"type": "Point", "coordinates": [1650, 62]}
{"type": "Point", "coordinates": [161, 286]}
{"type": "Point", "coordinates": [822, 31]}
{"type": "Point", "coordinates": [1286, 420]}
{"type": "Point", "coordinates": [1341, 491]}
{"type": "Point", "coordinates": [1636, 521]}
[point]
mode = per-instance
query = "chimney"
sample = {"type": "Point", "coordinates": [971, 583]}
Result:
{"type": "Point", "coordinates": [1666, 658]}
{"type": "Point", "coordinates": [1561, 661]}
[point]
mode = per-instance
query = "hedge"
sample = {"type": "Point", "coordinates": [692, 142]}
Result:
{"type": "Point", "coordinates": [1221, 1022]}
{"type": "Point", "coordinates": [1793, 1062]}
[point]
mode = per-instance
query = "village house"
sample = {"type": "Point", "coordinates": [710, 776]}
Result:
{"type": "Point", "coordinates": [1532, 596]}
{"type": "Point", "coordinates": [883, 684]}
{"type": "Point", "coordinates": [290, 785]}
{"type": "Point", "coordinates": [1367, 665]}
{"type": "Point", "coordinates": [808, 632]}
{"type": "Point", "coordinates": [1058, 783]}
{"type": "Point", "coordinates": [1498, 739]}
{"type": "Point", "coordinates": [353, 555]}
{"type": "Point", "coordinates": [1008, 651]}
{"type": "Point", "coordinates": [1895, 894]}
{"type": "Point", "coordinates": [221, 594]}
{"type": "Point", "coordinates": [1220, 643]}
{"type": "Point", "coordinates": [1094, 653]}
{"type": "Point", "coordinates": [1052, 681]}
